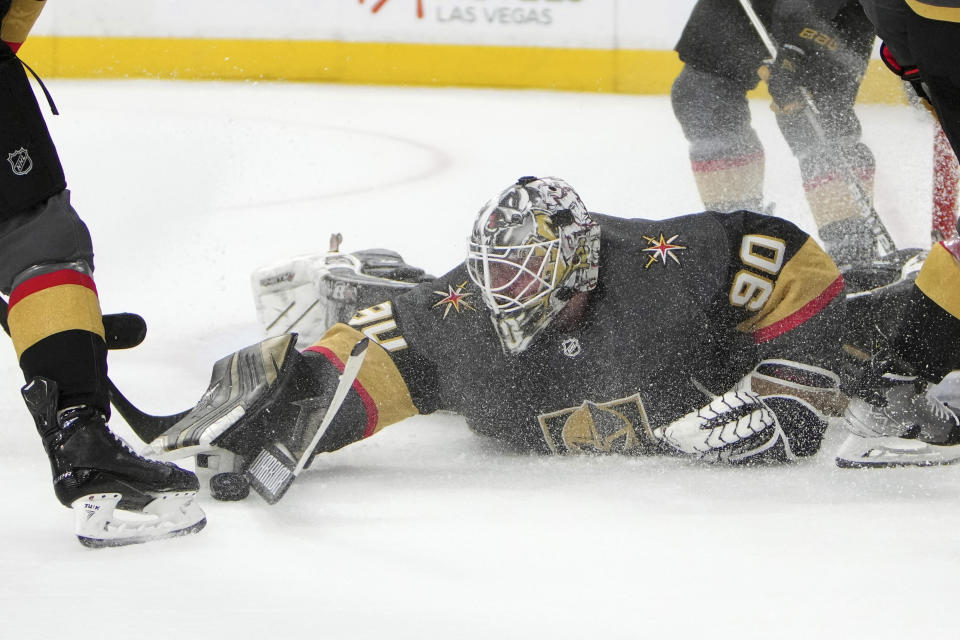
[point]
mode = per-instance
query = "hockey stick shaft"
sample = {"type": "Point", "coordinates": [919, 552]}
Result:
{"type": "Point", "coordinates": [760, 29]}
{"type": "Point", "coordinates": [883, 239]}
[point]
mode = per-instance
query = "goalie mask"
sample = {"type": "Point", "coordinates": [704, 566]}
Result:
{"type": "Point", "coordinates": [533, 248]}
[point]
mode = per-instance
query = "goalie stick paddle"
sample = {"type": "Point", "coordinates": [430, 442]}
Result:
{"type": "Point", "coordinates": [882, 238]}
{"type": "Point", "coordinates": [273, 470]}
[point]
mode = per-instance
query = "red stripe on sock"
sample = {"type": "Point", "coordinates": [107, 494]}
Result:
{"type": "Point", "coordinates": [797, 318]}
{"type": "Point", "coordinates": [721, 164]}
{"type": "Point", "coordinates": [50, 280]}
{"type": "Point", "coordinates": [369, 405]}
{"type": "Point", "coordinates": [863, 175]}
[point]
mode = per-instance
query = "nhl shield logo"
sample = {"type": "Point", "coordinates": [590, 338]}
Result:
{"type": "Point", "coordinates": [571, 347]}
{"type": "Point", "coordinates": [20, 162]}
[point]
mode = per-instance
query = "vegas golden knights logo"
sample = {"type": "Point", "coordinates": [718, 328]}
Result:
{"type": "Point", "coordinates": [618, 426]}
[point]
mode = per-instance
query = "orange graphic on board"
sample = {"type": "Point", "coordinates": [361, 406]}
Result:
{"type": "Point", "coordinates": [378, 4]}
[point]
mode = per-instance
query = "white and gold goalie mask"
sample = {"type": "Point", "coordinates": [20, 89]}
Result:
{"type": "Point", "coordinates": [532, 248]}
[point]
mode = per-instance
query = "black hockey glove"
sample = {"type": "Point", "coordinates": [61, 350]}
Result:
{"type": "Point", "coordinates": [784, 79]}
{"type": "Point", "coordinates": [810, 56]}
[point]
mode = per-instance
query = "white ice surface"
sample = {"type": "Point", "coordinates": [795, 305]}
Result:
{"type": "Point", "coordinates": [422, 532]}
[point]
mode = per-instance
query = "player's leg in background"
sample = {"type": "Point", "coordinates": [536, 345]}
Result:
{"type": "Point", "coordinates": [894, 416]}
{"type": "Point", "coordinates": [837, 172]}
{"type": "Point", "coordinates": [929, 333]}
{"type": "Point", "coordinates": [721, 52]}
{"type": "Point", "coordinates": [725, 153]}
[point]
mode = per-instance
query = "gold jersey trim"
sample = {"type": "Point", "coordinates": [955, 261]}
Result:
{"type": "Point", "coordinates": [934, 12]}
{"type": "Point", "coordinates": [804, 278]}
{"type": "Point", "coordinates": [20, 19]}
{"type": "Point", "coordinates": [939, 280]}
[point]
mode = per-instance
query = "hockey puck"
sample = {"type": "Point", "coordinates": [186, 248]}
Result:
{"type": "Point", "coordinates": [229, 487]}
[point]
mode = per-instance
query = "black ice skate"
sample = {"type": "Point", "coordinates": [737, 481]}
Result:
{"type": "Point", "coordinates": [118, 497]}
{"type": "Point", "coordinates": [898, 422]}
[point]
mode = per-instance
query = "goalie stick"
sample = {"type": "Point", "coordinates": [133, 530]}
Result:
{"type": "Point", "coordinates": [274, 469]}
{"type": "Point", "coordinates": [882, 238]}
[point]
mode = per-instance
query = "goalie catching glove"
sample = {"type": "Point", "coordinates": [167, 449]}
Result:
{"type": "Point", "coordinates": [740, 427]}
{"type": "Point", "coordinates": [774, 414]}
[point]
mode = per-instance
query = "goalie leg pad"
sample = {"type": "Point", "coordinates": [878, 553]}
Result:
{"type": "Point", "coordinates": [817, 387]}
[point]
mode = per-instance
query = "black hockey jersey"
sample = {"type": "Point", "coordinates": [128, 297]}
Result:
{"type": "Point", "coordinates": [683, 307]}
{"type": "Point", "coordinates": [719, 38]}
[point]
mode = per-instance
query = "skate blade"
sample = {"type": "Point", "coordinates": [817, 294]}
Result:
{"type": "Point", "coordinates": [271, 473]}
{"type": "Point", "coordinates": [884, 452]}
{"type": "Point", "coordinates": [99, 523]}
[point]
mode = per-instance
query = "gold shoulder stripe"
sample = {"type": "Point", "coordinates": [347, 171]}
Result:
{"type": "Point", "coordinates": [804, 279]}
{"type": "Point", "coordinates": [931, 11]}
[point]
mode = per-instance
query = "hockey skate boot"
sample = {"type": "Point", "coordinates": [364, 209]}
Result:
{"type": "Point", "coordinates": [117, 496]}
{"type": "Point", "coordinates": [898, 422]}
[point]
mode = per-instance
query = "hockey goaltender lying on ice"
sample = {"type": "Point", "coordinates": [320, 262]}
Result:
{"type": "Point", "coordinates": [720, 337]}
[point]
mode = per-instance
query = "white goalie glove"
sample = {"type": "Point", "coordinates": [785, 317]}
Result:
{"type": "Point", "coordinates": [732, 428]}
{"type": "Point", "coordinates": [740, 427]}
{"type": "Point", "coordinates": [308, 294]}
